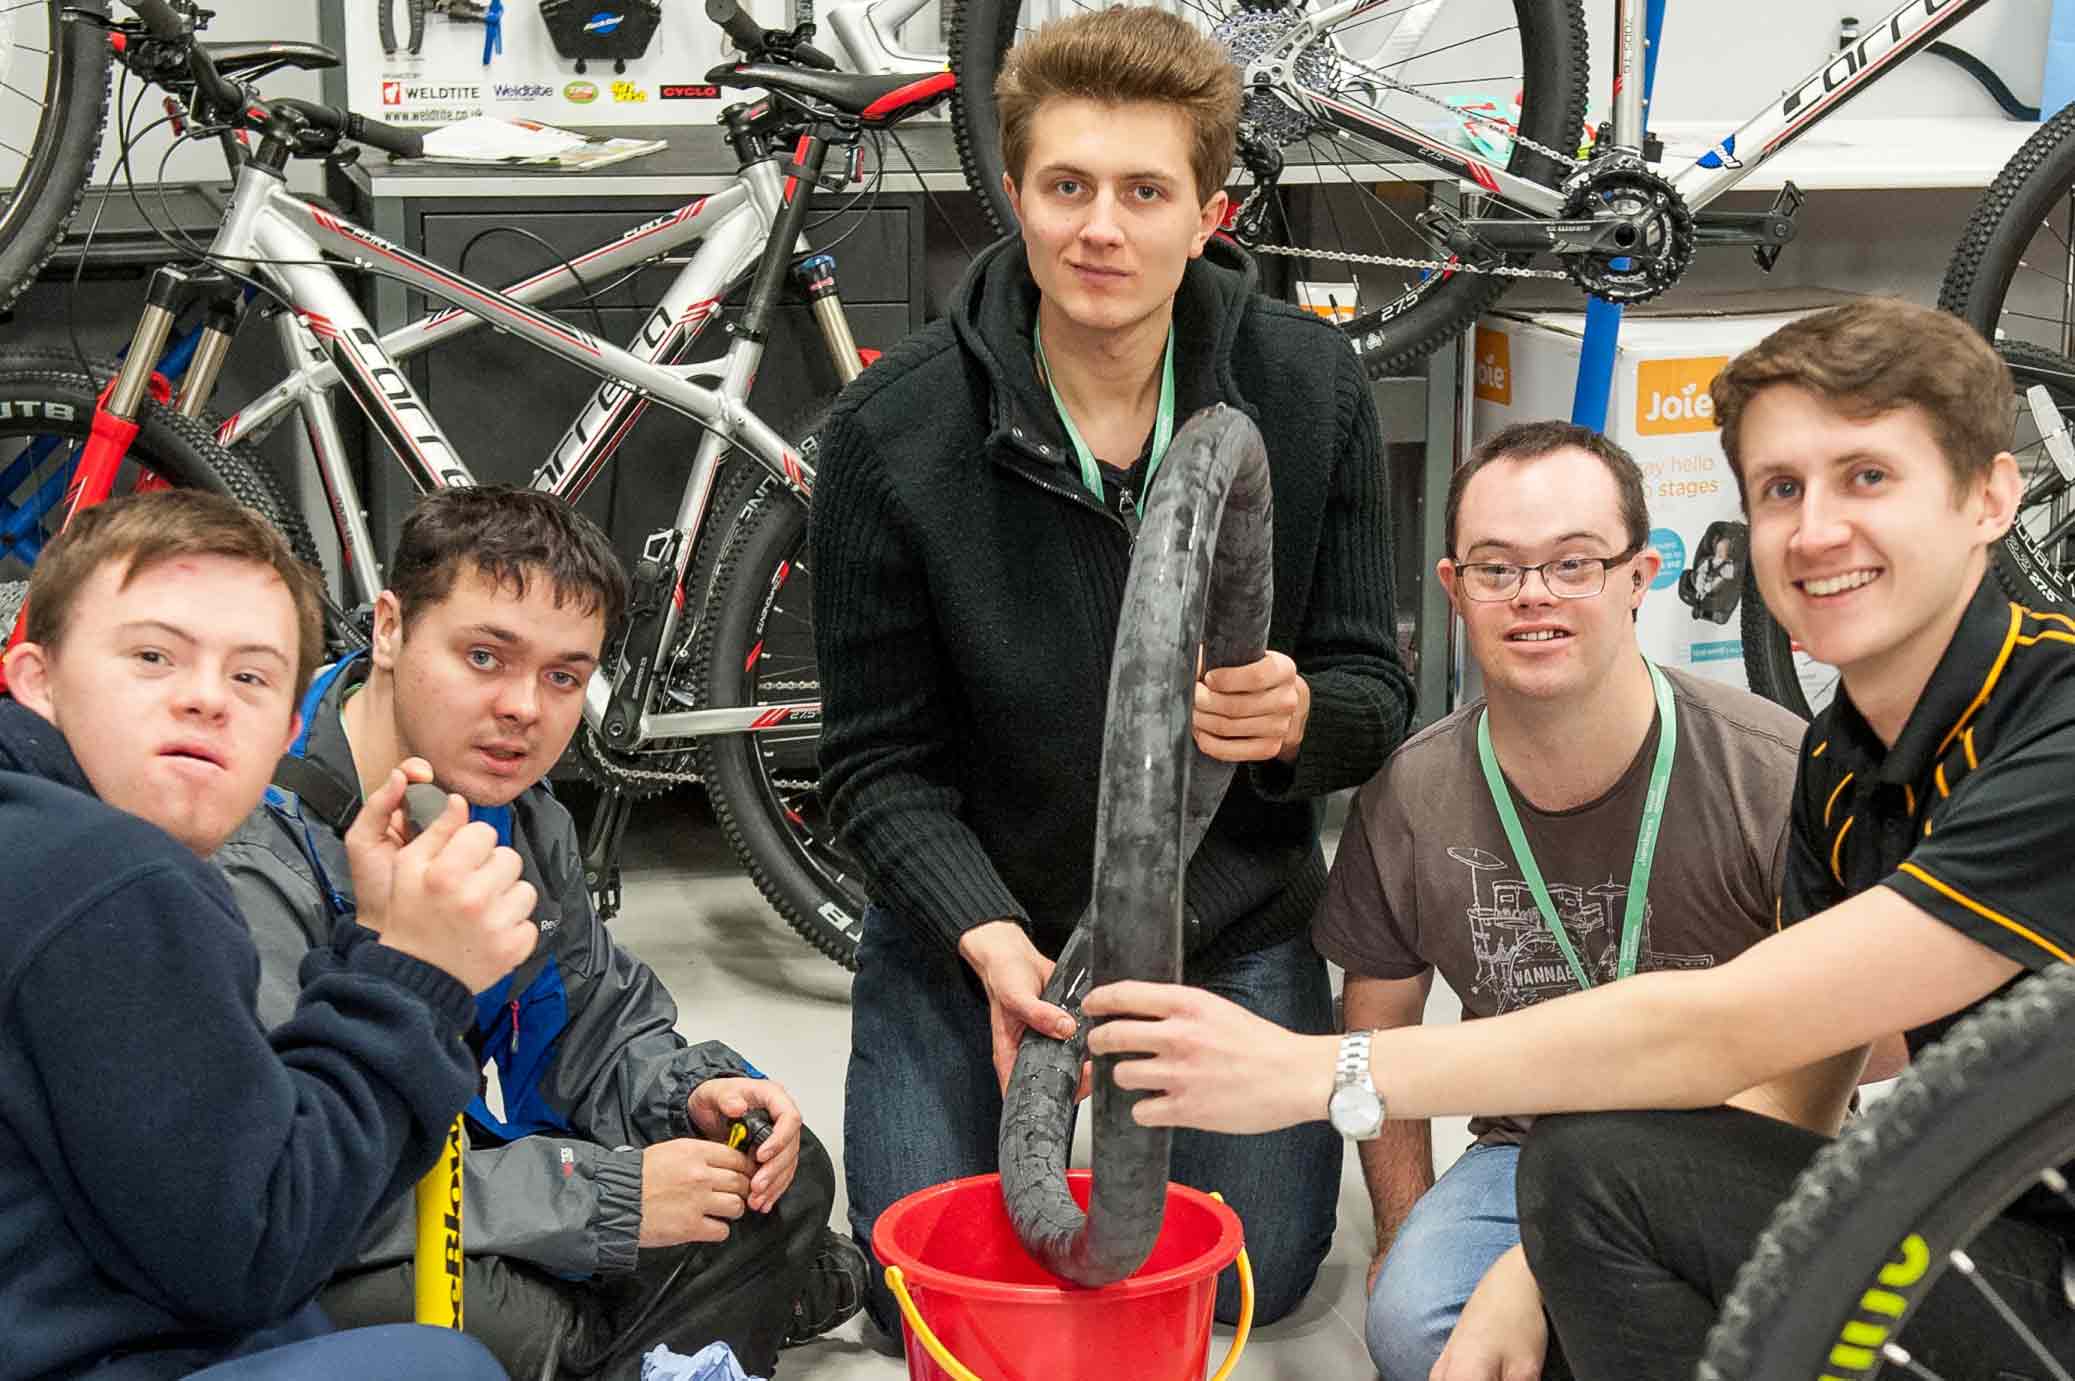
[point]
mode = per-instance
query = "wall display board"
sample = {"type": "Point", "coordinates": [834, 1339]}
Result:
{"type": "Point", "coordinates": [643, 62]}
{"type": "Point", "coordinates": [1526, 368]}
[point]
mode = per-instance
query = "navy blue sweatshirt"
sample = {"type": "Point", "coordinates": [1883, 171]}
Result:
{"type": "Point", "coordinates": [172, 1176]}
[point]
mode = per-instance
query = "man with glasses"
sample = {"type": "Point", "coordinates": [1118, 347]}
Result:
{"type": "Point", "coordinates": [1502, 848]}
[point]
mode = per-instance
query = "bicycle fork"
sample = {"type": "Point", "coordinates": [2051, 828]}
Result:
{"type": "Point", "coordinates": [119, 411]}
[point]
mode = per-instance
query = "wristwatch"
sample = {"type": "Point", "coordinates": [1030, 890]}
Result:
{"type": "Point", "coordinates": [1355, 1109]}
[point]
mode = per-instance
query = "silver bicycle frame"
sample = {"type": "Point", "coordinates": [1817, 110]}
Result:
{"type": "Point", "coordinates": [329, 342]}
{"type": "Point", "coordinates": [1883, 46]}
{"type": "Point", "coordinates": [868, 35]}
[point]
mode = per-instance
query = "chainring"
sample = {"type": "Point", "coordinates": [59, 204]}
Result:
{"type": "Point", "coordinates": [648, 771]}
{"type": "Point", "coordinates": [1663, 250]}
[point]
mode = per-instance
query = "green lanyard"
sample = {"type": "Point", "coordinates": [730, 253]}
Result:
{"type": "Point", "coordinates": [1163, 423]}
{"type": "Point", "coordinates": [1646, 836]}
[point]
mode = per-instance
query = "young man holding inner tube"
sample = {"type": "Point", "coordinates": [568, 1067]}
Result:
{"type": "Point", "coordinates": [973, 523]}
{"type": "Point", "coordinates": [1439, 870]}
{"type": "Point", "coordinates": [605, 1211]}
{"type": "Point", "coordinates": [1926, 871]}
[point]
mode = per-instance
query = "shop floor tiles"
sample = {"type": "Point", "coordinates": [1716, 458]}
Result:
{"type": "Point", "coordinates": [739, 975]}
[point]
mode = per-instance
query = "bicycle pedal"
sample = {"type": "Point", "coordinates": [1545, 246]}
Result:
{"type": "Point", "coordinates": [605, 893]}
{"type": "Point", "coordinates": [1786, 205]}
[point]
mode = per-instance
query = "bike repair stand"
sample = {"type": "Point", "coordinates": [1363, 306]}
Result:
{"type": "Point", "coordinates": [1603, 318]}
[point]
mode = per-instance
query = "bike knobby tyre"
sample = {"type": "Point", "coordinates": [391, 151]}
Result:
{"type": "Point", "coordinates": [1985, 263]}
{"type": "Point", "coordinates": [1390, 339]}
{"type": "Point", "coordinates": [1201, 576]}
{"type": "Point", "coordinates": [67, 139]}
{"type": "Point", "coordinates": [1868, 1229]}
{"type": "Point", "coordinates": [755, 645]}
{"type": "Point", "coordinates": [36, 401]}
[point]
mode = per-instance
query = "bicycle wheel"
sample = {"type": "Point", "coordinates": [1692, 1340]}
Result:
{"type": "Point", "coordinates": [45, 417]}
{"type": "Point", "coordinates": [53, 86]}
{"type": "Point", "coordinates": [2012, 275]}
{"type": "Point", "coordinates": [756, 647]}
{"type": "Point", "coordinates": [2035, 560]}
{"type": "Point", "coordinates": [1425, 62]}
{"type": "Point", "coordinates": [1984, 1117]}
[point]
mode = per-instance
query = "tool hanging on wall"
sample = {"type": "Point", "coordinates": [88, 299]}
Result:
{"type": "Point", "coordinates": [490, 16]}
{"type": "Point", "coordinates": [586, 31]}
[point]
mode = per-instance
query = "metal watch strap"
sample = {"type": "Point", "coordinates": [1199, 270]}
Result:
{"type": "Point", "coordinates": [1352, 1068]}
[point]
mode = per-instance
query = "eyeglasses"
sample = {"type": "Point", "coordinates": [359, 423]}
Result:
{"type": "Point", "coordinates": [1567, 577]}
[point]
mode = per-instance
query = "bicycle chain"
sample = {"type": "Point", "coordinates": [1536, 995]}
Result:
{"type": "Point", "coordinates": [1399, 261]}
{"type": "Point", "coordinates": [600, 760]}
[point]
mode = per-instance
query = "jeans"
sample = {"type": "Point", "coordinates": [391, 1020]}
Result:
{"type": "Point", "coordinates": [922, 1106]}
{"type": "Point", "coordinates": [396, 1352]}
{"type": "Point", "coordinates": [1454, 1233]}
{"type": "Point", "coordinates": [1636, 1223]}
{"type": "Point", "coordinates": [740, 1292]}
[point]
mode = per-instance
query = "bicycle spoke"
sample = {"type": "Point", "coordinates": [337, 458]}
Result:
{"type": "Point", "coordinates": [1900, 1357]}
{"type": "Point", "coordinates": [1964, 1264]}
{"type": "Point", "coordinates": [33, 100]}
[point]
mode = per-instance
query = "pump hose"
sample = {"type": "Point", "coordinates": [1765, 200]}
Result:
{"type": "Point", "coordinates": [1201, 576]}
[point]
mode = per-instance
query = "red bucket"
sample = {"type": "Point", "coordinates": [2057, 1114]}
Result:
{"type": "Point", "coordinates": [975, 1304]}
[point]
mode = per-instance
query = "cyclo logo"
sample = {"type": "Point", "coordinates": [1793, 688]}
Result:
{"type": "Point", "coordinates": [1865, 53]}
{"type": "Point", "coordinates": [1880, 1311]}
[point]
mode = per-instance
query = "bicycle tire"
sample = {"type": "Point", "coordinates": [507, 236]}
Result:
{"type": "Point", "coordinates": [37, 400]}
{"type": "Point", "coordinates": [756, 620]}
{"type": "Point", "coordinates": [2028, 575]}
{"type": "Point", "coordinates": [1389, 339]}
{"type": "Point", "coordinates": [1964, 1132]}
{"type": "Point", "coordinates": [1985, 262]}
{"type": "Point", "coordinates": [62, 151]}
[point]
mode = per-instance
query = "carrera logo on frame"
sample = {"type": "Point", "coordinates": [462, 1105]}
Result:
{"type": "Point", "coordinates": [1672, 395]}
{"type": "Point", "coordinates": [687, 91]}
{"type": "Point", "coordinates": [580, 93]}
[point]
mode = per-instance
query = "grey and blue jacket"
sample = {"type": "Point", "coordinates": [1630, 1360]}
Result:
{"type": "Point", "coordinates": [583, 1066]}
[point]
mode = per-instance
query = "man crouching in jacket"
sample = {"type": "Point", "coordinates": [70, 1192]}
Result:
{"type": "Point", "coordinates": [604, 1212]}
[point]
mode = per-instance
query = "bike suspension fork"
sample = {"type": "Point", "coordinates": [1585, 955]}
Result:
{"type": "Point", "coordinates": [816, 276]}
{"type": "Point", "coordinates": [122, 404]}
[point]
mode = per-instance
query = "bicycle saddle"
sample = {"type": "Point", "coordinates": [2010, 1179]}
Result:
{"type": "Point", "coordinates": [258, 59]}
{"type": "Point", "coordinates": [881, 98]}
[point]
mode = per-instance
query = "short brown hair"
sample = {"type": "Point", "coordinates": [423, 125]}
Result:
{"type": "Point", "coordinates": [1118, 56]}
{"type": "Point", "coordinates": [1871, 357]}
{"type": "Point", "coordinates": [146, 530]}
{"type": "Point", "coordinates": [1534, 440]}
{"type": "Point", "coordinates": [507, 534]}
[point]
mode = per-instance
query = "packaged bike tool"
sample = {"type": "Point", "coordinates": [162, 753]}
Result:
{"type": "Point", "coordinates": [587, 31]}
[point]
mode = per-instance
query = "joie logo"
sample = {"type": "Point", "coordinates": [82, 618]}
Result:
{"type": "Point", "coordinates": [580, 93]}
{"type": "Point", "coordinates": [627, 93]}
{"type": "Point", "coordinates": [392, 93]}
{"type": "Point", "coordinates": [521, 91]}
{"type": "Point", "coordinates": [604, 23]}
{"type": "Point", "coordinates": [1494, 367]}
{"type": "Point", "coordinates": [1672, 395]}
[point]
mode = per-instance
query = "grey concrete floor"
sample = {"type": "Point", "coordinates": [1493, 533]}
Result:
{"type": "Point", "coordinates": [740, 975]}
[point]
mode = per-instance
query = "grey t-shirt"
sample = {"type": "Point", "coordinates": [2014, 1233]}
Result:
{"type": "Point", "coordinates": [1425, 877]}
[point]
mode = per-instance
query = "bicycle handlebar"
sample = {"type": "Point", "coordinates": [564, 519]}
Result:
{"type": "Point", "coordinates": [362, 129]}
{"type": "Point", "coordinates": [748, 34]}
{"type": "Point", "coordinates": [161, 18]}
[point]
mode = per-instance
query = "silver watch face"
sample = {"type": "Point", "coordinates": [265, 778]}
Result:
{"type": "Point", "coordinates": [1355, 1112]}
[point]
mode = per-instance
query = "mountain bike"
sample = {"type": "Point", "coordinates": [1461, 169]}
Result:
{"type": "Point", "coordinates": [53, 79]}
{"type": "Point", "coordinates": [713, 676]}
{"type": "Point", "coordinates": [1983, 1121]}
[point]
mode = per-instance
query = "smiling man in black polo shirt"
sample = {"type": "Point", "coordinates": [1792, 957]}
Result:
{"type": "Point", "coordinates": [1926, 871]}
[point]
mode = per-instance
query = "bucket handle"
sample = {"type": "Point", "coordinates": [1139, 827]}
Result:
{"type": "Point", "coordinates": [897, 1281]}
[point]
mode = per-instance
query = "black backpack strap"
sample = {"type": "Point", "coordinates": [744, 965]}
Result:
{"type": "Point", "coordinates": [323, 793]}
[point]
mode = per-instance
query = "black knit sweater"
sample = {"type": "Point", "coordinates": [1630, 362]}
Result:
{"type": "Point", "coordinates": [966, 598]}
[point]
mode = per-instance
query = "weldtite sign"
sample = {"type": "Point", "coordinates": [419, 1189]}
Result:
{"type": "Point", "coordinates": [643, 62]}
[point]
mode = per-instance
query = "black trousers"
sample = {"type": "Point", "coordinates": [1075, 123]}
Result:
{"type": "Point", "coordinates": [739, 1292]}
{"type": "Point", "coordinates": [1636, 1223]}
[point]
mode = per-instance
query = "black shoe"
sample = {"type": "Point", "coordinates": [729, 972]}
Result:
{"type": "Point", "coordinates": [833, 1292]}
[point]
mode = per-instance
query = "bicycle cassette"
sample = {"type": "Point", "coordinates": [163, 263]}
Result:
{"type": "Point", "coordinates": [1659, 251]}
